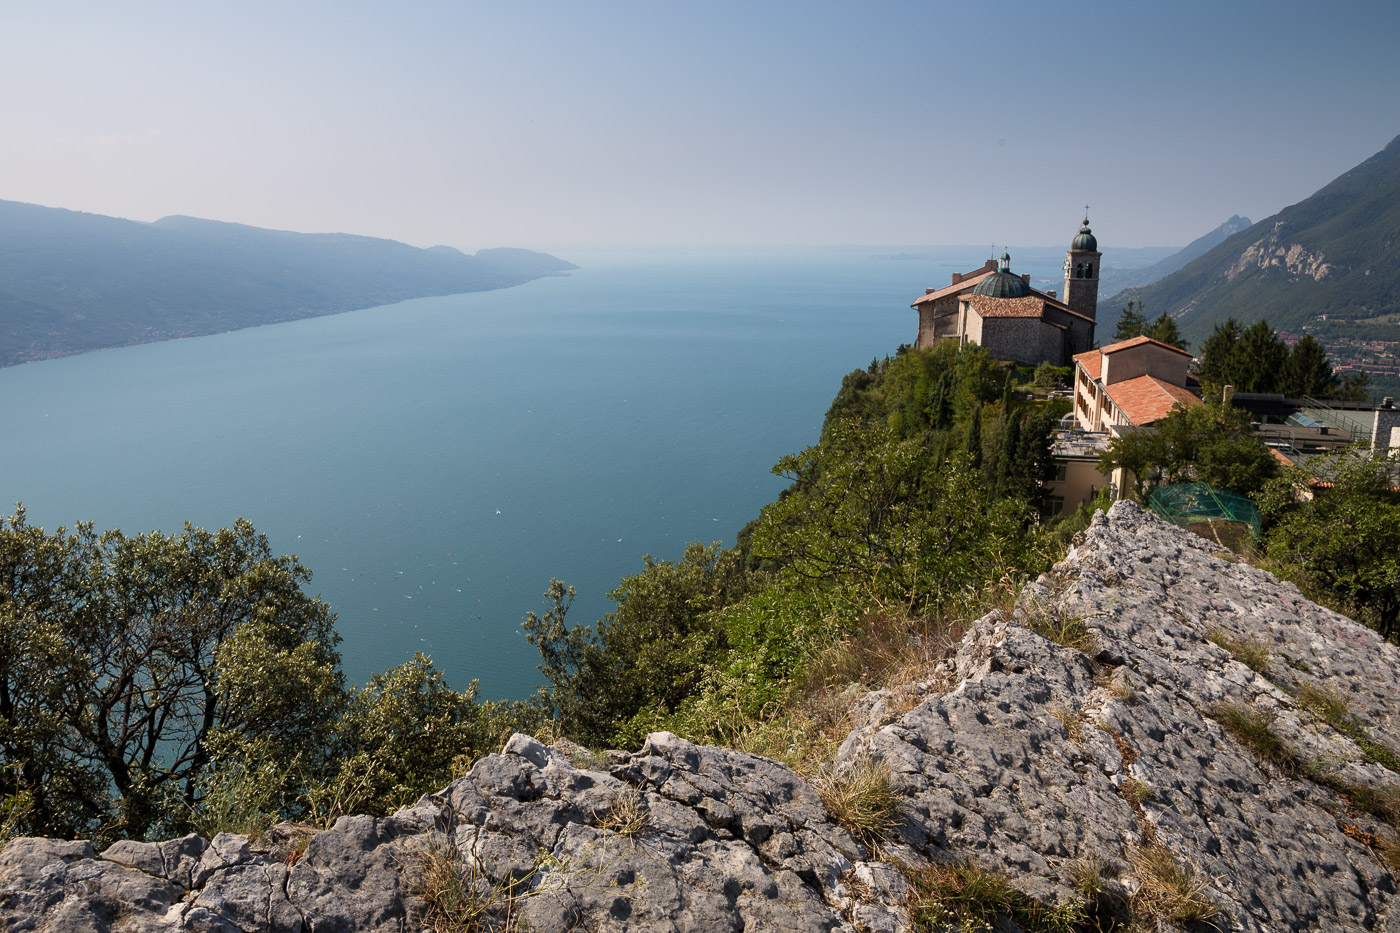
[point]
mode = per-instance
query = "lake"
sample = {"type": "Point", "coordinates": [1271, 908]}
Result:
{"type": "Point", "coordinates": [436, 462]}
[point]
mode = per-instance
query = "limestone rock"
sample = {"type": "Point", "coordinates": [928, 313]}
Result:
{"type": "Point", "coordinates": [1037, 757]}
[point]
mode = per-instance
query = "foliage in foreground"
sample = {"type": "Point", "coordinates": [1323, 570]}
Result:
{"type": "Point", "coordinates": [1212, 443]}
{"type": "Point", "coordinates": [1342, 543]}
{"type": "Point", "coordinates": [157, 683]}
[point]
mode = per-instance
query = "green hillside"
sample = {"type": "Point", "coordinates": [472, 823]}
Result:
{"type": "Point", "coordinates": [1335, 254]}
{"type": "Point", "coordinates": [72, 282]}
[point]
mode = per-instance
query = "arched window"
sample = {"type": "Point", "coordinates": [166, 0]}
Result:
{"type": "Point", "coordinates": [1088, 270]}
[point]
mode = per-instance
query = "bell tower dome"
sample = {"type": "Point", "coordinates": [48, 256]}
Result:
{"type": "Point", "coordinates": [1082, 272]}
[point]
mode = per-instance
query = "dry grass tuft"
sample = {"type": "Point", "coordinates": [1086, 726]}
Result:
{"type": "Point", "coordinates": [1252, 654]}
{"type": "Point", "coordinates": [966, 897]}
{"type": "Point", "coordinates": [628, 815]}
{"type": "Point", "coordinates": [458, 896]}
{"type": "Point", "coordinates": [1168, 889]}
{"type": "Point", "coordinates": [1332, 708]}
{"type": "Point", "coordinates": [1255, 730]}
{"type": "Point", "coordinates": [1141, 791]}
{"type": "Point", "coordinates": [861, 799]}
{"type": "Point", "coordinates": [1074, 727]}
{"type": "Point", "coordinates": [1070, 631]}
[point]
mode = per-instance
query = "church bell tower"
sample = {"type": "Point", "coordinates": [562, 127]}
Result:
{"type": "Point", "coordinates": [1082, 272]}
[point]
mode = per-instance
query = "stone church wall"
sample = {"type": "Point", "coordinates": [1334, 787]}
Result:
{"type": "Point", "coordinates": [1024, 340]}
{"type": "Point", "coordinates": [931, 331]}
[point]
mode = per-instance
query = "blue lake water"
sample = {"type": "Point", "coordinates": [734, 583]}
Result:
{"type": "Point", "coordinates": [436, 462]}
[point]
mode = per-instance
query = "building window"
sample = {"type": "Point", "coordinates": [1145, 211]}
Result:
{"type": "Point", "coordinates": [1061, 472]}
{"type": "Point", "coordinates": [1054, 505]}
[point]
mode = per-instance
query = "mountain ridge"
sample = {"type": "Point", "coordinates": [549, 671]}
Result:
{"type": "Point", "coordinates": [71, 282]}
{"type": "Point", "coordinates": [1330, 256]}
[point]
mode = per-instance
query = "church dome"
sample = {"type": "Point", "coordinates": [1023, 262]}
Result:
{"type": "Point", "coordinates": [1002, 284]}
{"type": "Point", "coordinates": [1085, 242]}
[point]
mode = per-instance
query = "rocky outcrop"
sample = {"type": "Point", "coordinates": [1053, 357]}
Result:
{"type": "Point", "coordinates": [1071, 744]}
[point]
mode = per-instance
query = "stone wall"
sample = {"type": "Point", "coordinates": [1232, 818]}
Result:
{"type": "Point", "coordinates": [1022, 339]}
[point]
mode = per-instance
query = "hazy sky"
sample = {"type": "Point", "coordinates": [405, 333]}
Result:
{"type": "Point", "coordinates": [549, 124]}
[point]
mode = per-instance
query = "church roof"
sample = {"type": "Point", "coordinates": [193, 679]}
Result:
{"type": "Point", "coordinates": [1033, 305]}
{"type": "Point", "coordinates": [1003, 284]}
{"type": "Point", "coordinates": [1085, 242]}
{"type": "Point", "coordinates": [1145, 399]}
{"type": "Point", "coordinates": [966, 284]}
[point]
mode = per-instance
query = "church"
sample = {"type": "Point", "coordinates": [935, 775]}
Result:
{"type": "Point", "coordinates": [997, 309]}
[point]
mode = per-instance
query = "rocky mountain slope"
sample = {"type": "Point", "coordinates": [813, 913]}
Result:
{"type": "Point", "coordinates": [72, 282]}
{"type": "Point", "coordinates": [1113, 281]}
{"type": "Point", "coordinates": [1336, 253]}
{"type": "Point", "coordinates": [1100, 770]}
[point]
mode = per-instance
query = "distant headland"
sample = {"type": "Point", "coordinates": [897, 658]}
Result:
{"type": "Point", "coordinates": [71, 282]}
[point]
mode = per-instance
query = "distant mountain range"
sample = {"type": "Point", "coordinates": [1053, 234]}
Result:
{"type": "Point", "coordinates": [1116, 280]}
{"type": "Point", "coordinates": [72, 282]}
{"type": "Point", "coordinates": [1329, 264]}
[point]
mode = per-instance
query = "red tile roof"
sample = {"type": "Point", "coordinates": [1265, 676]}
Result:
{"type": "Point", "coordinates": [1032, 305]}
{"type": "Point", "coordinates": [1145, 399]}
{"type": "Point", "coordinates": [1092, 361]}
{"type": "Point", "coordinates": [1137, 342]}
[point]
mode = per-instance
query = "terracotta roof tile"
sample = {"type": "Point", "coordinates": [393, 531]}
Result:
{"type": "Point", "coordinates": [987, 306]}
{"type": "Point", "coordinates": [1145, 399]}
{"type": "Point", "coordinates": [1139, 341]}
{"type": "Point", "coordinates": [1032, 305]}
{"type": "Point", "coordinates": [1092, 361]}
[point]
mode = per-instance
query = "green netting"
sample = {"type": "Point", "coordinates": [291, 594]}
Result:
{"type": "Point", "coordinates": [1194, 504]}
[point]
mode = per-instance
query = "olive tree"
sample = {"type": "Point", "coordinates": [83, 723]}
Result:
{"type": "Point", "coordinates": [122, 658]}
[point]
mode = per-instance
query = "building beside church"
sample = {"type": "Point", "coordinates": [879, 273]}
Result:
{"type": "Point", "coordinates": [1130, 384]}
{"type": "Point", "coordinates": [998, 309]}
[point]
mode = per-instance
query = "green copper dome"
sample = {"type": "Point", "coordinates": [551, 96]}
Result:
{"type": "Point", "coordinates": [1002, 284]}
{"type": "Point", "coordinates": [1085, 242]}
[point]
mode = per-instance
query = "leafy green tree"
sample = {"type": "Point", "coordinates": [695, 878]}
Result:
{"type": "Point", "coordinates": [648, 653]}
{"type": "Point", "coordinates": [135, 635]}
{"type": "Point", "coordinates": [1212, 443]}
{"type": "Point", "coordinates": [1216, 368]}
{"type": "Point", "coordinates": [1345, 541]}
{"type": "Point", "coordinates": [1309, 371]}
{"type": "Point", "coordinates": [1049, 377]}
{"type": "Point", "coordinates": [878, 512]}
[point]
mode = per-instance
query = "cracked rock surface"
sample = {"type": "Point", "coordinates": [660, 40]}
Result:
{"type": "Point", "coordinates": [1019, 754]}
{"type": "Point", "coordinates": [1040, 758]}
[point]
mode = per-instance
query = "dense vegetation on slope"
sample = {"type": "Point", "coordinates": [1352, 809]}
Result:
{"type": "Point", "coordinates": [1333, 253]}
{"type": "Point", "coordinates": [157, 684]}
{"type": "Point", "coordinates": [71, 282]}
{"type": "Point", "coordinates": [917, 503]}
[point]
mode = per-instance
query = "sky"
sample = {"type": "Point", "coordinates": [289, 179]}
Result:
{"type": "Point", "coordinates": [555, 124]}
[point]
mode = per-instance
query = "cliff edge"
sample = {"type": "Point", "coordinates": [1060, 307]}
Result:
{"type": "Point", "coordinates": [1154, 730]}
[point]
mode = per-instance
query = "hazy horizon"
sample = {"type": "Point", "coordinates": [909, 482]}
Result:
{"type": "Point", "coordinates": [556, 127]}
